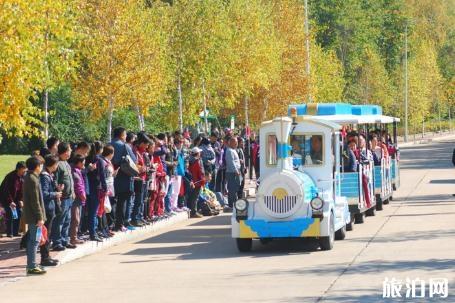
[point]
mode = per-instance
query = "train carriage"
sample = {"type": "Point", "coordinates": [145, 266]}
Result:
{"type": "Point", "coordinates": [372, 185]}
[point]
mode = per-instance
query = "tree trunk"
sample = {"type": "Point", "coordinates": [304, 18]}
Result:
{"type": "Point", "coordinates": [46, 114]}
{"type": "Point", "coordinates": [206, 123]}
{"type": "Point", "coordinates": [450, 119]}
{"type": "Point", "coordinates": [110, 116]}
{"type": "Point", "coordinates": [247, 123]}
{"type": "Point", "coordinates": [140, 118]}
{"type": "Point", "coordinates": [179, 89]}
{"type": "Point", "coordinates": [264, 110]}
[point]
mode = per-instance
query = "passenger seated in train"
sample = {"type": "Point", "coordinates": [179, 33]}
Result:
{"type": "Point", "coordinates": [307, 150]}
{"type": "Point", "coordinates": [376, 149]}
{"type": "Point", "coordinates": [350, 161]}
{"type": "Point", "coordinates": [364, 153]}
{"type": "Point", "coordinates": [316, 149]}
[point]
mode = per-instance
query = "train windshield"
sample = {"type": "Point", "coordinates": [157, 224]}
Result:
{"type": "Point", "coordinates": [307, 150]}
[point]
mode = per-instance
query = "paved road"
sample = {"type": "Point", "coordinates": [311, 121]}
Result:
{"type": "Point", "coordinates": [197, 261]}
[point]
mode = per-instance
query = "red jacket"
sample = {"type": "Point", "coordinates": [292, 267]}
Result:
{"type": "Point", "coordinates": [11, 189]}
{"type": "Point", "coordinates": [197, 173]}
{"type": "Point", "coordinates": [160, 169]}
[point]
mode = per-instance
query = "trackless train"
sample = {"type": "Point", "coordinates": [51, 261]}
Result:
{"type": "Point", "coordinates": [304, 189]}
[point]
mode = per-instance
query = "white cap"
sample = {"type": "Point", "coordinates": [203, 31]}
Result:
{"type": "Point", "coordinates": [196, 150]}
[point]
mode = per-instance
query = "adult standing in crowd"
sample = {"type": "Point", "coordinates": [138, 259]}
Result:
{"type": "Point", "coordinates": [242, 158]}
{"type": "Point", "coordinates": [51, 147]}
{"type": "Point", "coordinates": [11, 198]}
{"type": "Point", "coordinates": [130, 138]}
{"type": "Point", "coordinates": [123, 183]}
{"type": "Point", "coordinates": [94, 182]}
{"type": "Point", "coordinates": [51, 198]}
{"type": "Point", "coordinates": [233, 173]}
{"type": "Point", "coordinates": [140, 182]}
{"type": "Point", "coordinates": [170, 161]}
{"type": "Point", "coordinates": [216, 146]}
{"type": "Point", "coordinates": [34, 212]}
{"type": "Point", "coordinates": [64, 178]}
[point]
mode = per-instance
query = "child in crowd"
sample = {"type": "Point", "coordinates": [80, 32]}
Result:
{"type": "Point", "coordinates": [106, 174]}
{"type": "Point", "coordinates": [78, 162]}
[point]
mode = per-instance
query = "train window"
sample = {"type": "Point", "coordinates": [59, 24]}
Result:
{"type": "Point", "coordinates": [271, 151]}
{"type": "Point", "coordinates": [307, 150]}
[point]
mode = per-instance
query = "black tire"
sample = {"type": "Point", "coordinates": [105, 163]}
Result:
{"type": "Point", "coordinates": [386, 201]}
{"type": "Point", "coordinates": [244, 245]}
{"type": "Point", "coordinates": [394, 187]}
{"type": "Point", "coordinates": [379, 205]}
{"type": "Point", "coordinates": [265, 241]}
{"type": "Point", "coordinates": [359, 218]}
{"type": "Point", "coordinates": [371, 212]}
{"type": "Point", "coordinates": [326, 243]}
{"type": "Point", "coordinates": [391, 198]}
{"type": "Point", "coordinates": [341, 233]}
{"type": "Point", "coordinates": [350, 226]}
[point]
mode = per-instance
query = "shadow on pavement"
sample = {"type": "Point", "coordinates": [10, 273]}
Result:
{"type": "Point", "coordinates": [443, 181]}
{"type": "Point", "coordinates": [423, 214]}
{"type": "Point", "coordinates": [214, 243]}
{"type": "Point", "coordinates": [430, 199]}
{"type": "Point", "coordinates": [370, 267]}
{"type": "Point", "coordinates": [409, 236]}
{"type": "Point", "coordinates": [432, 156]}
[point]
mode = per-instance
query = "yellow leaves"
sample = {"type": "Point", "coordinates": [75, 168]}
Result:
{"type": "Point", "coordinates": [424, 82]}
{"type": "Point", "coordinates": [326, 75]}
{"type": "Point", "coordinates": [123, 55]}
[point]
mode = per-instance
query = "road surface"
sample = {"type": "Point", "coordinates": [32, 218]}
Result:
{"type": "Point", "coordinates": [197, 261]}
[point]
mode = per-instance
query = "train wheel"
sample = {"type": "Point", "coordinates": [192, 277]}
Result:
{"type": "Point", "coordinates": [359, 218]}
{"type": "Point", "coordinates": [244, 245]}
{"type": "Point", "coordinates": [326, 243]}
{"type": "Point", "coordinates": [350, 226]}
{"type": "Point", "coordinates": [379, 203]}
{"type": "Point", "coordinates": [265, 241]}
{"type": "Point", "coordinates": [371, 212]}
{"type": "Point", "coordinates": [341, 233]}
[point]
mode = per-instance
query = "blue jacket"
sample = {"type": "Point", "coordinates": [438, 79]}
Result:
{"type": "Point", "coordinates": [49, 189]}
{"type": "Point", "coordinates": [122, 182]}
{"type": "Point", "coordinates": [351, 164]}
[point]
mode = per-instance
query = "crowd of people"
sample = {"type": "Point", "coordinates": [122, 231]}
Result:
{"type": "Point", "coordinates": [67, 194]}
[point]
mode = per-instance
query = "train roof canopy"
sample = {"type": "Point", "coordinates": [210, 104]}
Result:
{"type": "Point", "coordinates": [342, 113]}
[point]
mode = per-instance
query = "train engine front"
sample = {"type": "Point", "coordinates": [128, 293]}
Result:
{"type": "Point", "coordinates": [288, 204]}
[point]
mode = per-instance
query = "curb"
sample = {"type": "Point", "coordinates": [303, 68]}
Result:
{"type": "Point", "coordinates": [91, 247]}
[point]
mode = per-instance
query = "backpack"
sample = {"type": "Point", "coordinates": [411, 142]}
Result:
{"type": "Point", "coordinates": [206, 210]}
{"type": "Point", "coordinates": [127, 165]}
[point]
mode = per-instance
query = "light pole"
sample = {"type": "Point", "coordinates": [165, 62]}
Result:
{"type": "Point", "coordinates": [406, 84]}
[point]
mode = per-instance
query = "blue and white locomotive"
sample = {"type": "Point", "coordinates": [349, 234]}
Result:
{"type": "Point", "coordinates": [303, 191]}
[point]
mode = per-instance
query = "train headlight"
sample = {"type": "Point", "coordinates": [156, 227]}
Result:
{"type": "Point", "coordinates": [241, 205]}
{"type": "Point", "coordinates": [317, 203]}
